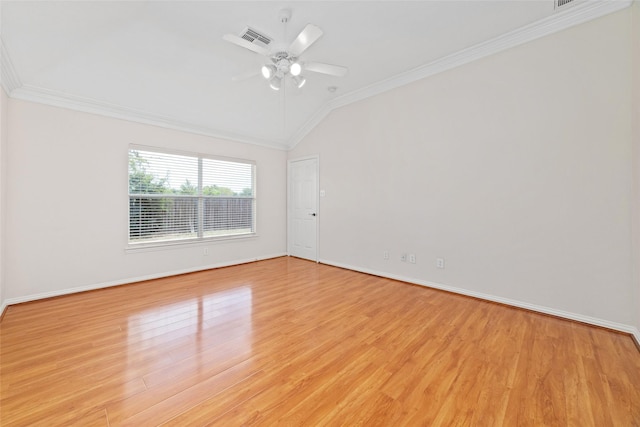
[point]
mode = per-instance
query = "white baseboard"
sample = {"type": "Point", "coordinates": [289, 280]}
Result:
{"type": "Point", "coordinates": [633, 331]}
{"type": "Point", "coordinates": [129, 280]}
{"type": "Point", "coordinates": [636, 336]}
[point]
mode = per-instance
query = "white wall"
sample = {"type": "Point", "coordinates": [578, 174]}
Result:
{"type": "Point", "coordinates": [3, 154]}
{"type": "Point", "coordinates": [514, 168]}
{"type": "Point", "coordinates": [636, 157]}
{"type": "Point", "coordinates": [67, 193]}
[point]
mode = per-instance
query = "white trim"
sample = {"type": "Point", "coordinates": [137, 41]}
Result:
{"type": "Point", "coordinates": [636, 336]}
{"type": "Point", "coordinates": [311, 124]}
{"type": "Point", "coordinates": [633, 331]}
{"type": "Point", "coordinates": [9, 78]}
{"type": "Point", "coordinates": [164, 245]}
{"type": "Point", "coordinates": [60, 99]}
{"type": "Point", "coordinates": [130, 280]}
{"type": "Point", "coordinates": [559, 21]}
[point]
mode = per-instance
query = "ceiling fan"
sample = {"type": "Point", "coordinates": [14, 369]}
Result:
{"type": "Point", "coordinates": [282, 63]}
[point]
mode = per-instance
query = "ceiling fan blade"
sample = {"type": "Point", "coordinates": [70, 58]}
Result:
{"type": "Point", "coordinates": [332, 70]}
{"type": "Point", "coordinates": [245, 76]}
{"type": "Point", "coordinates": [245, 44]}
{"type": "Point", "coordinates": [308, 36]}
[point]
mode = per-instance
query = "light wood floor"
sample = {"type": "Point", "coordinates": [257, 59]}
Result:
{"type": "Point", "coordinates": [291, 342]}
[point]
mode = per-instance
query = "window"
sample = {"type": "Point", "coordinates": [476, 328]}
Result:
{"type": "Point", "coordinates": [181, 197]}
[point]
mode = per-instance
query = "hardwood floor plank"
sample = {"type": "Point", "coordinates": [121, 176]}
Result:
{"type": "Point", "coordinates": [93, 418]}
{"type": "Point", "coordinates": [291, 342]}
{"type": "Point", "coordinates": [335, 388]}
{"type": "Point", "coordinates": [181, 402]}
{"type": "Point", "coordinates": [71, 402]}
{"type": "Point", "coordinates": [353, 409]}
{"type": "Point", "coordinates": [215, 409]}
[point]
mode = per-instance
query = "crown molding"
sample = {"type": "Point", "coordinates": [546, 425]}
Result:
{"type": "Point", "coordinates": [580, 13]}
{"type": "Point", "coordinates": [583, 11]}
{"type": "Point", "coordinates": [89, 105]}
{"type": "Point", "coordinates": [309, 125]}
{"type": "Point", "coordinates": [8, 76]}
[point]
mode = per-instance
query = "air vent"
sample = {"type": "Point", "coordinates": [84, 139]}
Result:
{"type": "Point", "coordinates": [253, 36]}
{"type": "Point", "coordinates": [561, 3]}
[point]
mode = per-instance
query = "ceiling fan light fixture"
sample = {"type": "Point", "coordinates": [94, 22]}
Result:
{"type": "Point", "coordinates": [295, 69]}
{"type": "Point", "coordinates": [299, 80]}
{"type": "Point", "coordinates": [268, 71]}
{"type": "Point", "coordinates": [283, 64]}
{"type": "Point", "coordinates": [275, 83]}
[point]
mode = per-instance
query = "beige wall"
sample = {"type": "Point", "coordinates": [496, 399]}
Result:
{"type": "Point", "coordinates": [67, 189]}
{"type": "Point", "coordinates": [514, 168]}
{"type": "Point", "coordinates": [3, 154]}
{"type": "Point", "coordinates": [636, 157]}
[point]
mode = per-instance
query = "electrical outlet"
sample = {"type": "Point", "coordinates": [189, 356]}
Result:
{"type": "Point", "coordinates": [412, 258]}
{"type": "Point", "coordinates": [403, 257]}
{"type": "Point", "coordinates": [205, 251]}
{"type": "Point", "coordinates": [385, 255]}
{"type": "Point", "coordinates": [440, 262]}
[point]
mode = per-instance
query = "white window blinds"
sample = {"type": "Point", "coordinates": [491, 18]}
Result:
{"type": "Point", "coordinates": [175, 197]}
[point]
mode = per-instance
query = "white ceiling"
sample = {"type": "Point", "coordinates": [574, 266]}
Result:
{"type": "Point", "coordinates": [165, 62]}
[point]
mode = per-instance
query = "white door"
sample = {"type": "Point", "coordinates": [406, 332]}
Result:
{"type": "Point", "coordinates": [303, 208]}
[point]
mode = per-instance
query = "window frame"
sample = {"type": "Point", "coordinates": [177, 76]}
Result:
{"type": "Point", "coordinates": [200, 239]}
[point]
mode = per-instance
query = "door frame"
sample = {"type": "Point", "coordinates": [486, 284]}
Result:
{"type": "Point", "coordinates": [315, 157]}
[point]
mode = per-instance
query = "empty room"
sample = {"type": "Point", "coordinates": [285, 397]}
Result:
{"type": "Point", "coordinates": [377, 213]}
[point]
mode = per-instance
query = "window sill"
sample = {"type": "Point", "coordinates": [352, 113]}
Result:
{"type": "Point", "coordinates": [161, 246]}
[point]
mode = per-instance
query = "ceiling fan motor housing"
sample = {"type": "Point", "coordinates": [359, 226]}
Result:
{"type": "Point", "coordinates": [283, 62]}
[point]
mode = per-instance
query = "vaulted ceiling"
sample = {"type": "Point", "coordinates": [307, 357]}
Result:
{"type": "Point", "coordinates": [166, 63]}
